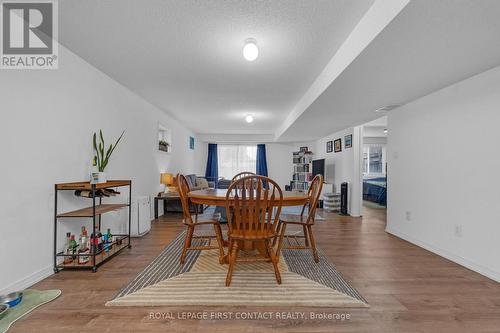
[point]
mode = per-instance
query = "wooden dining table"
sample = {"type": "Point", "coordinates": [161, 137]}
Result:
{"type": "Point", "coordinates": [217, 197]}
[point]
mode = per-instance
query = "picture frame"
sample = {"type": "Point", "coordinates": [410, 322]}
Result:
{"type": "Point", "coordinates": [329, 146]}
{"type": "Point", "coordinates": [348, 141]}
{"type": "Point", "coordinates": [191, 142]}
{"type": "Point", "coordinates": [304, 149]}
{"type": "Point", "coordinates": [337, 145]}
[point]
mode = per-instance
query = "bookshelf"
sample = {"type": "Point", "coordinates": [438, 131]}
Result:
{"type": "Point", "coordinates": [302, 170]}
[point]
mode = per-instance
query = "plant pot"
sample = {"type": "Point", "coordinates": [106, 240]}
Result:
{"type": "Point", "coordinates": [102, 177]}
{"type": "Point", "coordinates": [98, 177]}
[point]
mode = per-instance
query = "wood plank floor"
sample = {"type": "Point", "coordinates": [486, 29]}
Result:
{"type": "Point", "coordinates": [409, 289]}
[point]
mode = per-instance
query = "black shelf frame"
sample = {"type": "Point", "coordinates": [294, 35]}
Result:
{"type": "Point", "coordinates": [96, 221]}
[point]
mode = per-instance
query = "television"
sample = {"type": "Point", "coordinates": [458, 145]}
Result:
{"type": "Point", "coordinates": [318, 167]}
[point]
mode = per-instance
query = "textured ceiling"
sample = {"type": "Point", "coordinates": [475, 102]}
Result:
{"type": "Point", "coordinates": [428, 46]}
{"type": "Point", "coordinates": [185, 56]}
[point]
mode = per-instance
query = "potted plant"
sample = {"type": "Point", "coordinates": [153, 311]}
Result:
{"type": "Point", "coordinates": [101, 157]}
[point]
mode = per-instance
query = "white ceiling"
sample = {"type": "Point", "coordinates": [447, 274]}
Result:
{"type": "Point", "coordinates": [185, 56]}
{"type": "Point", "coordinates": [429, 45]}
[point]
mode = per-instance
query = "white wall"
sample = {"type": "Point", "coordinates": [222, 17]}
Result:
{"type": "Point", "coordinates": [345, 166]}
{"type": "Point", "coordinates": [443, 163]}
{"type": "Point", "coordinates": [279, 162]}
{"type": "Point", "coordinates": [48, 117]}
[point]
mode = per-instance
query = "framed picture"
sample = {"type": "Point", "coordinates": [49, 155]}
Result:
{"type": "Point", "coordinates": [304, 149]}
{"type": "Point", "coordinates": [329, 146]}
{"type": "Point", "coordinates": [191, 142]}
{"type": "Point", "coordinates": [348, 141]}
{"type": "Point", "coordinates": [337, 145]}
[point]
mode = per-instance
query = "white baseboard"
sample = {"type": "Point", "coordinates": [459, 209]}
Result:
{"type": "Point", "coordinates": [29, 280]}
{"type": "Point", "coordinates": [478, 268]}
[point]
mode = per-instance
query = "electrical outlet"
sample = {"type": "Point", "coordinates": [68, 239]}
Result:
{"type": "Point", "coordinates": [408, 216]}
{"type": "Point", "coordinates": [458, 230]}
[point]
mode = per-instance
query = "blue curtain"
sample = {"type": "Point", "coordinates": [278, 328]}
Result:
{"type": "Point", "coordinates": [211, 173]}
{"type": "Point", "coordinates": [261, 160]}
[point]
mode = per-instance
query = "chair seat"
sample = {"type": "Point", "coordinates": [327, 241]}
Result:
{"type": "Point", "coordinates": [203, 220]}
{"type": "Point", "coordinates": [293, 219]}
{"type": "Point", "coordinates": [252, 235]}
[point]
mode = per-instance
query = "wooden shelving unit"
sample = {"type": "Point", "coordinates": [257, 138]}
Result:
{"type": "Point", "coordinates": [302, 170]}
{"type": "Point", "coordinates": [88, 212]}
{"type": "Point", "coordinates": [121, 241]}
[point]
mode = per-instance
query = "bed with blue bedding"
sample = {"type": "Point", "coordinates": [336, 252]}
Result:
{"type": "Point", "coordinates": [375, 190]}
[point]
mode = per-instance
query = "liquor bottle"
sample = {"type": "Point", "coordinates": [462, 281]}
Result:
{"type": "Point", "coordinates": [73, 245]}
{"type": "Point", "coordinates": [110, 239]}
{"type": "Point", "coordinates": [84, 250]}
{"type": "Point", "coordinates": [105, 242]}
{"type": "Point", "coordinates": [99, 241]}
{"type": "Point", "coordinates": [67, 250]}
{"type": "Point", "coordinates": [93, 243]}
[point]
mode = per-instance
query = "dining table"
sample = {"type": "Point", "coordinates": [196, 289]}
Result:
{"type": "Point", "coordinates": [217, 197]}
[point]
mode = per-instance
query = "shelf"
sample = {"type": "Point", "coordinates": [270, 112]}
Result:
{"type": "Point", "coordinates": [100, 256]}
{"type": "Point", "coordinates": [88, 211]}
{"type": "Point", "coordinates": [88, 186]}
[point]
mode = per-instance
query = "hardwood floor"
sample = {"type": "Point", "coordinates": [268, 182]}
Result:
{"type": "Point", "coordinates": [409, 289]}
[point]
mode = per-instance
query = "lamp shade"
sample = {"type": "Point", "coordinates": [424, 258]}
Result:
{"type": "Point", "coordinates": [167, 178]}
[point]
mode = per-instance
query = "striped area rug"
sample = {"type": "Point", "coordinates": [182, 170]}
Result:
{"type": "Point", "coordinates": [201, 282]}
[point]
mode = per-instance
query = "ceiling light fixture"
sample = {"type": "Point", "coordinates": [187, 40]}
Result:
{"type": "Point", "coordinates": [249, 118]}
{"type": "Point", "coordinates": [250, 50]}
{"type": "Point", "coordinates": [385, 131]}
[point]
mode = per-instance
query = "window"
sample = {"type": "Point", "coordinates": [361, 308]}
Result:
{"type": "Point", "coordinates": [233, 159]}
{"type": "Point", "coordinates": [374, 159]}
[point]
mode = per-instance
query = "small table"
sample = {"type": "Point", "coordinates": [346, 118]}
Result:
{"type": "Point", "coordinates": [165, 197]}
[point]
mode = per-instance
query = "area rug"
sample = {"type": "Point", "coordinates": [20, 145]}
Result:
{"type": "Point", "coordinates": [31, 300]}
{"type": "Point", "coordinates": [201, 282]}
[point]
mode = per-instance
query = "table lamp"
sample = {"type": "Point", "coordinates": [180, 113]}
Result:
{"type": "Point", "coordinates": [168, 180]}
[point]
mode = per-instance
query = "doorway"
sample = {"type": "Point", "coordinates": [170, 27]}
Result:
{"type": "Point", "coordinates": [374, 166]}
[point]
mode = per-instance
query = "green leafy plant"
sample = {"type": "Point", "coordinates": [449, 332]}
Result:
{"type": "Point", "coordinates": [101, 157]}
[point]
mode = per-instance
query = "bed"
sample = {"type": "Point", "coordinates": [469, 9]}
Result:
{"type": "Point", "coordinates": [375, 190]}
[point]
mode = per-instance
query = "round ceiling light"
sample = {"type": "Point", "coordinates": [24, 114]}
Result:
{"type": "Point", "coordinates": [250, 50]}
{"type": "Point", "coordinates": [249, 118]}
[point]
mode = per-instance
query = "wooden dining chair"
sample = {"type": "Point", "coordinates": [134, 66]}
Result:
{"type": "Point", "coordinates": [250, 205]}
{"type": "Point", "coordinates": [193, 222]}
{"type": "Point", "coordinates": [241, 175]}
{"type": "Point", "coordinates": [301, 220]}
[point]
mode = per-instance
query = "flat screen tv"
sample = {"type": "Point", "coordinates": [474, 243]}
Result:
{"type": "Point", "coordinates": [318, 167]}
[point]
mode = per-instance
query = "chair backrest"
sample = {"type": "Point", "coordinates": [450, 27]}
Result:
{"type": "Point", "coordinates": [313, 196]}
{"type": "Point", "coordinates": [183, 185]}
{"type": "Point", "coordinates": [241, 175]}
{"type": "Point", "coordinates": [250, 204]}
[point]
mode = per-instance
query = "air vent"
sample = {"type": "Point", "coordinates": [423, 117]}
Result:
{"type": "Point", "coordinates": [387, 108]}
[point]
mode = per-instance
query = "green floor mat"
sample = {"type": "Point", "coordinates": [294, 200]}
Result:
{"type": "Point", "coordinates": [31, 300]}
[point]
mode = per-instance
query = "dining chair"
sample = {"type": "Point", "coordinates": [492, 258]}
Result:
{"type": "Point", "coordinates": [192, 223]}
{"type": "Point", "coordinates": [241, 175]}
{"type": "Point", "coordinates": [250, 203]}
{"type": "Point", "coordinates": [302, 220]}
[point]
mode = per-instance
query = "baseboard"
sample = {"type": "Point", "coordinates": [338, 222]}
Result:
{"type": "Point", "coordinates": [29, 280]}
{"type": "Point", "coordinates": [478, 268]}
